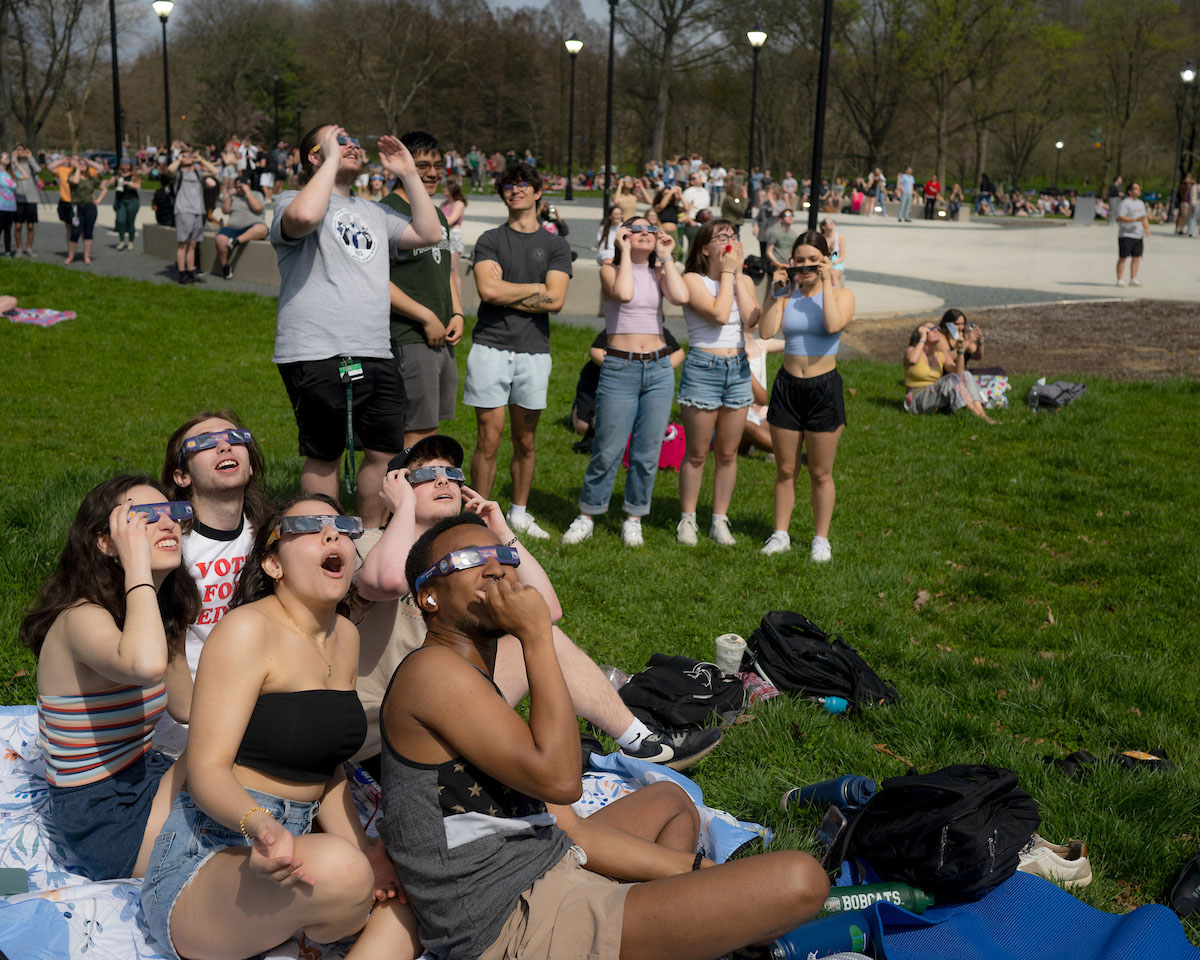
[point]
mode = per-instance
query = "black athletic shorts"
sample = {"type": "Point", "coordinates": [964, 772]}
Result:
{"type": "Point", "coordinates": [1129, 247]}
{"type": "Point", "coordinates": [66, 212]}
{"type": "Point", "coordinates": [807, 403]}
{"type": "Point", "coordinates": [26, 212]}
{"type": "Point", "coordinates": [319, 401]}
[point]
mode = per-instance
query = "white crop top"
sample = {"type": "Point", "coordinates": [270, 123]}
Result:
{"type": "Point", "coordinates": [706, 335]}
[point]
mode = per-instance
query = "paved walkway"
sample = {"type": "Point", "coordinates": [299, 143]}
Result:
{"type": "Point", "coordinates": [894, 269]}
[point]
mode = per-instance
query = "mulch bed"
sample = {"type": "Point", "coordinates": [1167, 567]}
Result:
{"type": "Point", "coordinates": [1126, 340]}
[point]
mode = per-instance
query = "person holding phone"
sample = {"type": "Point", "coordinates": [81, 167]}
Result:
{"type": "Point", "coordinates": [637, 381]}
{"type": "Point", "coordinates": [108, 633]}
{"type": "Point", "coordinates": [714, 389]}
{"type": "Point", "coordinates": [807, 411]}
{"type": "Point", "coordinates": [936, 375]}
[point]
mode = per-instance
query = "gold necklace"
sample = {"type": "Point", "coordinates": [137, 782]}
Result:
{"type": "Point", "coordinates": [299, 629]}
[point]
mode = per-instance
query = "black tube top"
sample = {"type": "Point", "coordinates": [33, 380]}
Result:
{"type": "Point", "coordinates": [303, 736]}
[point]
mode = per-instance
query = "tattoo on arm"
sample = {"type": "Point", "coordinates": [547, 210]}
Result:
{"type": "Point", "coordinates": [535, 300]}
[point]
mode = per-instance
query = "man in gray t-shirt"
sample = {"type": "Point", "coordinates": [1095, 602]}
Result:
{"type": "Point", "coordinates": [190, 171]}
{"type": "Point", "coordinates": [243, 209]}
{"type": "Point", "coordinates": [1133, 226]}
{"type": "Point", "coordinates": [25, 171]}
{"type": "Point", "coordinates": [521, 273]}
{"type": "Point", "coordinates": [332, 343]}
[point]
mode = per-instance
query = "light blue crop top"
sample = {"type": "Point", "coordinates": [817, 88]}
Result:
{"type": "Point", "coordinates": [804, 328]}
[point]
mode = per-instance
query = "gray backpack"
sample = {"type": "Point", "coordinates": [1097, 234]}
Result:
{"type": "Point", "coordinates": [1057, 394]}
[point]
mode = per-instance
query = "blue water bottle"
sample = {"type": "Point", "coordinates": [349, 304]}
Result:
{"type": "Point", "coordinates": [850, 792]}
{"type": "Point", "coordinates": [839, 933]}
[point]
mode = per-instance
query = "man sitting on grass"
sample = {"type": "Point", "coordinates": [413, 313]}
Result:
{"type": "Point", "coordinates": [423, 486]}
{"type": "Point", "coordinates": [469, 791]}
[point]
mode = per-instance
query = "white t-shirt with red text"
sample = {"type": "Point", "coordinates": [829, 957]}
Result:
{"type": "Point", "coordinates": [215, 559]}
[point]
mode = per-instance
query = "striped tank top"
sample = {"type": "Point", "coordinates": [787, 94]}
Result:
{"type": "Point", "coordinates": [88, 737]}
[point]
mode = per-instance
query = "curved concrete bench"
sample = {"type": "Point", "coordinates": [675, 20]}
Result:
{"type": "Point", "coordinates": [253, 262]}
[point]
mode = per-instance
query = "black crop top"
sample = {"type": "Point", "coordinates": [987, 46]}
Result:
{"type": "Point", "coordinates": [303, 736]}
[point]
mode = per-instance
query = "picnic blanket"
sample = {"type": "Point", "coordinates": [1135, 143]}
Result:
{"type": "Point", "coordinates": [102, 921]}
{"type": "Point", "coordinates": [40, 316]}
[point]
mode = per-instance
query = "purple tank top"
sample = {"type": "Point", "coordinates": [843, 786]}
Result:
{"type": "Point", "coordinates": [642, 314]}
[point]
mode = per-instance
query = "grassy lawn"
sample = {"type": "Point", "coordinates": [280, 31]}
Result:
{"type": "Point", "coordinates": [1058, 551]}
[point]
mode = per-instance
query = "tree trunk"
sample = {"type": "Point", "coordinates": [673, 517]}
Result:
{"type": "Point", "coordinates": [943, 125]}
{"type": "Point", "coordinates": [662, 97]}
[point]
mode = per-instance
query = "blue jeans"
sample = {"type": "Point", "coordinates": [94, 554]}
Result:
{"type": "Point", "coordinates": [905, 205]}
{"type": "Point", "coordinates": [633, 396]}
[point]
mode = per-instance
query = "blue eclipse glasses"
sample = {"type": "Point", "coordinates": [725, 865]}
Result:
{"type": "Point", "coordinates": [426, 474]}
{"type": "Point", "coordinates": [206, 441]}
{"type": "Point", "coordinates": [466, 558]}
{"type": "Point", "coordinates": [177, 510]}
{"type": "Point", "coordinates": [315, 523]}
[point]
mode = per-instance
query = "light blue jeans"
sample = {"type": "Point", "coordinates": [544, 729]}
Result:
{"type": "Point", "coordinates": [905, 205]}
{"type": "Point", "coordinates": [633, 396]}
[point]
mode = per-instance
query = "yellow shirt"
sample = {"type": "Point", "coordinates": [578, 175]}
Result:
{"type": "Point", "coordinates": [922, 373]}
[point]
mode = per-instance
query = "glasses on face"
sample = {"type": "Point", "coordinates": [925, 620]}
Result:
{"type": "Point", "coordinates": [467, 558]}
{"type": "Point", "coordinates": [723, 238]}
{"type": "Point", "coordinates": [424, 166]}
{"type": "Point", "coordinates": [315, 523]}
{"type": "Point", "coordinates": [522, 185]}
{"type": "Point", "coordinates": [343, 139]}
{"type": "Point", "coordinates": [803, 269]}
{"type": "Point", "coordinates": [206, 441]}
{"type": "Point", "coordinates": [177, 510]}
{"type": "Point", "coordinates": [643, 228]}
{"type": "Point", "coordinates": [426, 474]}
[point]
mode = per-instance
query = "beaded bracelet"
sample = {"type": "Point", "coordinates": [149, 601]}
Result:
{"type": "Point", "coordinates": [699, 859]}
{"type": "Point", "coordinates": [511, 542]}
{"type": "Point", "coordinates": [246, 815]}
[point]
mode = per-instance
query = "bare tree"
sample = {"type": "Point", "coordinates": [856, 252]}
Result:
{"type": "Point", "coordinates": [41, 43]}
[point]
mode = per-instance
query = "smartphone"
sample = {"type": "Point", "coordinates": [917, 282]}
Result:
{"type": "Point", "coordinates": [832, 826]}
{"type": "Point", "coordinates": [781, 290]}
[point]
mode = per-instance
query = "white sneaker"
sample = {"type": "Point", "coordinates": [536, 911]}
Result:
{"type": "Point", "coordinates": [579, 530]}
{"type": "Point", "coordinates": [1135, 283]}
{"type": "Point", "coordinates": [777, 542]}
{"type": "Point", "coordinates": [1122, 282]}
{"type": "Point", "coordinates": [526, 526]}
{"type": "Point", "coordinates": [719, 531]}
{"type": "Point", "coordinates": [631, 532]}
{"type": "Point", "coordinates": [686, 531]}
{"type": "Point", "coordinates": [1064, 863]}
{"type": "Point", "coordinates": [820, 550]}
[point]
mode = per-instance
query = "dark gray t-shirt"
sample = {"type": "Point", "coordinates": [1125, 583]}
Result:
{"type": "Point", "coordinates": [524, 258]}
{"type": "Point", "coordinates": [241, 215]}
{"type": "Point", "coordinates": [334, 298]}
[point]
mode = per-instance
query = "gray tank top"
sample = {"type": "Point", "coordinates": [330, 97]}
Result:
{"type": "Point", "coordinates": [465, 847]}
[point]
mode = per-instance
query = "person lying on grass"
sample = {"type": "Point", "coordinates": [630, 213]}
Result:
{"type": "Point", "coordinates": [108, 632]}
{"type": "Point", "coordinates": [236, 869]}
{"type": "Point", "coordinates": [475, 813]}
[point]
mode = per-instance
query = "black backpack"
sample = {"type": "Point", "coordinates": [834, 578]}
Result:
{"type": "Point", "coordinates": [794, 654]}
{"type": "Point", "coordinates": [954, 833]}
{"type": "Point", "coordinates": [1057, 394]}
{"type": "Point", "coordinates": [680, 692]}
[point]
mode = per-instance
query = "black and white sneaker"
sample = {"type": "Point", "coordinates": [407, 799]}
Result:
{"type": "Point", "coordinates": [676, 748]}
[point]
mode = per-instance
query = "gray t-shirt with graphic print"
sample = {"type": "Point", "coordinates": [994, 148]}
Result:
{"type": "Point", "coordinates": [333, 296]}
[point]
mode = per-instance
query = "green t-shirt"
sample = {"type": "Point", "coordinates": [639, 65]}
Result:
{"type": "Point", "coordinates": [782, 242]}
{"type": "Point", "coordinates": [424, 274]}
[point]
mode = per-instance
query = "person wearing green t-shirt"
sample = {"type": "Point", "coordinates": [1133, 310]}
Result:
{"type": "Point", "coordinates": [427, 318]}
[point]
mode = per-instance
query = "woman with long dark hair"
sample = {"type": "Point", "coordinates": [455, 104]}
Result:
{"type": "Point", "coordinates": [236, 869]}
{"type": "Point", "coordinates": [637, 381]}
{"type": "Point", "coordinates": [714, 389]}
{"type": "Point", "coordinates": [108, 632]}
{"type": "Point", "coordinates": [807, 409]}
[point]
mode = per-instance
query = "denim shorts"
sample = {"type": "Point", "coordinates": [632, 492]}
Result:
{"type": "Point", "coordinates": [103, 823]}
{"type": "Point", "coordinates": [187, 840]}
{"type": "Point", "coordinates": [710, 381]}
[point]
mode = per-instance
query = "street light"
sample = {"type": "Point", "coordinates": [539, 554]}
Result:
{"type": "Point", "coordinates": [814, 184]}
{"type": "Point", "coordinates": [573, 45]}
{"type": "Point", "coordinates": [118, 118]}
{"type": "Point", "coordinates": [275, 77]}
{"type": "Point", "coordinates": [163, 8]}
{"type": "Point", "coordinates": [608, 109]}
{"type": "Point", "coordinates": [1188, 76]}
{"type": "Point", "coordinates": [1058, 146]}
{"type": "Point", "coordinates": [757, 38]}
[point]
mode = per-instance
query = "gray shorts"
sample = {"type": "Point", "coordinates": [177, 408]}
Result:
{"type": "Point", "coordinates": [497, 378]}
{"type": "Point", "coordinates": [430, 384]}
{"type": "Point", "coordinates": [189, 227]}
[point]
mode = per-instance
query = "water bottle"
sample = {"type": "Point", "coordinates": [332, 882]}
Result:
{"type": "Point", "coordinates": [850, 792]}
{"type": "Point", "coordinates": [848, 899]}
{"type": "Point", "coordinates": [616, 676]}
{"type": "Point", "coordinates": [831, 704]}
{"type": "Point", "coordinates": [839, 933]}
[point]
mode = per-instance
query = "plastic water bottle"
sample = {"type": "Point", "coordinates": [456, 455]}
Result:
{"type": "Point", "coordinates": [839, 933]}
{"type": "Point", "coordinates": [848, 899]}
{"type": "Point", "coordinates": [831, 704]}
{"type": "Point", "coordinates": [616, 676]}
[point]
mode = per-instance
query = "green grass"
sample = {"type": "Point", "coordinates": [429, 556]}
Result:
{"type": "Point", "coordinates": [1059, 550]}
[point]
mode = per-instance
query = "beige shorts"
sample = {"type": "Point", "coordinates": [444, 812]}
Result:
{"type": "Point", "coordinates": [569, 914]}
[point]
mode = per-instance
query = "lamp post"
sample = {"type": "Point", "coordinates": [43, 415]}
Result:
{"type": "Point", "coordinates": [608, 110]}
{"type": "Point", "coordinates": [118, 118]}
{"type": "Point", "coordinates": [1188, 76]}
{"type": "Point", "coordinates": [814, 186]}
{"type": "Point", "coordinates": [757, 38]}
{"type": "Point", "coordinates": [275, 79]}
{"type": "Point", "coordinates": [573, 45]}
{"type": "Point", "coordinates": [137, 126]}
{"type": "Point", "coordinates": [1058, 148]}
{"type": "Point", "coordinates": [163, 8]}
{"type": "Point", "coordinates": [299, 109]}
